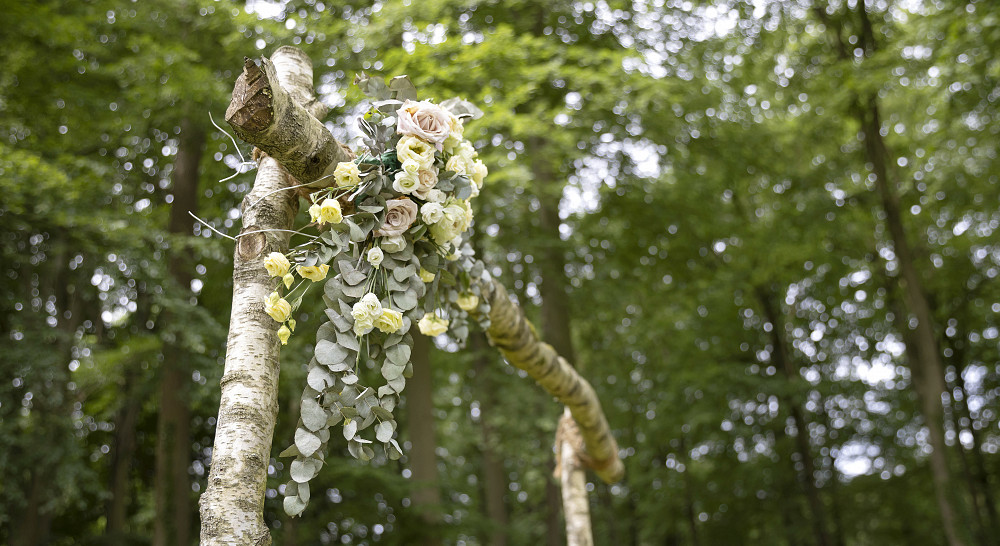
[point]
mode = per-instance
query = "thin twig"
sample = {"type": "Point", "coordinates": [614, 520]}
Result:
{"type": "Point", "coordinates": [242, 159]}
{"type": "Point", "coordinates": [206, 224]}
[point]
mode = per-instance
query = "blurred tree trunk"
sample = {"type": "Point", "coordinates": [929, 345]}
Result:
{"type": "Point", "coordinates": [426, 494]}
{"type": "Point", "coordinates": [173, 427]}
{"type": "Point", "coordinates": [494, 477]}
{"type": "Point", "coordinates": [689, 510]}
{"type": "Point", "coordinates": [803, 447]}
{"type": "Point", "coordinates": [122, 453]}
{"type": "Point", "coordinates": [918, 324]}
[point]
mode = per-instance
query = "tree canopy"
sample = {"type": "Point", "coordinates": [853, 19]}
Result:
{"type": "Point", "coordinates": [728, 213]}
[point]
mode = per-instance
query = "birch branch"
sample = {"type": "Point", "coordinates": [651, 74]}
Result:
{"type": "Point", "coordinates": [512, 334]}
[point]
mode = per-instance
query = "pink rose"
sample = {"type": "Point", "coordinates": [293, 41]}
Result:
{"type": "Point", "coordinates": [424, 120]}
{"type": "Point", "coordinates": [400, 215]}
{"type": "Point", "coordinates": [428, 178]}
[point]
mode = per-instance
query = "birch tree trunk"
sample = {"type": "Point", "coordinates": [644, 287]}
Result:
{"type": "Point", "coordinates": [233, 502]}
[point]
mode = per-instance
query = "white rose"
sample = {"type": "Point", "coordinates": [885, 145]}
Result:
{"type": "Point", "coordinates": [406, 182]}
{"type": "Point", "coordinates": [367, 309]}
{"type": "Point", "coordinates": [479, 172]}
{"type": "Point", "coordinates": [424, 120]}
{"type": "Point", "coordinates": [362, 327]}
{"type": "Point", "coordinates": [375, 256]}
{"type": "Point", "coordinates": [436, 196]}
{"type": "Point", "coordinates": [431, 213]}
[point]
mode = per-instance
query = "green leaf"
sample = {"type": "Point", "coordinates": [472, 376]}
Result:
{"type": "Point", "coordinates": [319, 378]}
{"type": "Point", "coordinates": [348, 341]}
{"type": "Point", "coordinates": [290, 451]}
{"type": "Point", "coordinates": [403, 273]}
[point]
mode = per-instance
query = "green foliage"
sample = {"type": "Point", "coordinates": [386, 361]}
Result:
{"type": "Point", "coordinates": [708, 166]}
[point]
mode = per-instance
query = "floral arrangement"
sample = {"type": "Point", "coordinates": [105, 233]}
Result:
{"type": "Point", "coordinates": [389, 249]}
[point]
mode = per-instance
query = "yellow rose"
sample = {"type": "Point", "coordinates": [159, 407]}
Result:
{"type": "Point", "coordinates": [347, 175]}
{"type": "Point", "coordinates": [283, 334]}
{"type": "Point", "coordinates": [277, 307]}
{"type": "Point", "coordinates": [314, 215]}
{"type": "Point", "coordinates": [425, 275]}
{"type": "Point", "coordinates": [329, 212]}
{"type": "Point", "coordinates": [468, 302]}
{"type": "Point", "coordinates": [276, 264]}
{"type": "Point", "coordinates": [312, 272]}
{"type": "Point", "coordinates": [432, 325]}
{"type": "Point", "coordinates": [291, 324]}
{"type": "Point", "coordinates": [288, 279]}
{"type": "Point", "coordinates": [389, 321]}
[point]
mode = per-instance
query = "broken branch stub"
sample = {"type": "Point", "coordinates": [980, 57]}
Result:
{"type": "Point", "coordinates": [263, 113]}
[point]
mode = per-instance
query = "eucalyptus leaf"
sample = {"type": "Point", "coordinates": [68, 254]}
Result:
{"type": "Point", "coordinates": [306, 441]}
{"type": "Point", "coordinates": [384, 430]}
{"type": "Point", "coordinates": [303, 470]}
{"type": "Point", "coordinates": [290, 451]}
{"type": "Point", "coordinates": [313, 414]}
{"type": "Point", "coordinates": [403, 273]}
{"type": "Point", "coordinates": [348, 341]}
{"type": "Point", "coordinates": [350, 429]}
{"type": "Point", "coordinates": [329, 353]}
{"type": "Point", "coordinates": [398, 354]}
{"type": "Point", "coordinates": [319, 378]}
{"type": "Point", "coordinates": [293, 505]}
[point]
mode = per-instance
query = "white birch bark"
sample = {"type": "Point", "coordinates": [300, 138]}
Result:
{"type": "Point", "coordinates": [572, 479]}
{"type": "Point", "coordinates": [232, 505]}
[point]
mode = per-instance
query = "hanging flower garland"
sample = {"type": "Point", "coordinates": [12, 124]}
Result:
{"type": "Point", "coordinates": [390, 249]}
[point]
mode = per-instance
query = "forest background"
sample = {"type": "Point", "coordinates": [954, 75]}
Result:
{"type": "Point", "coordinates": [765, 231]}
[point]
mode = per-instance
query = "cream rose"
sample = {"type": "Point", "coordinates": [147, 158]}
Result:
{"type": "Point", "coordinates": [424, 120]}
{"type": "Point", "coordinates": [468, 302]}
{"type": "Point", "coordinates": [432, 325]}
{"type": "Point", "coordinates": [399, 216]}
{"type": "Point", "coordinates": [312, 272]}
{"type": "Point", "coordinates": [277, 307]}
{"type": "Point", "coordinates": [456, 219]}
{"type": "Point", "coordinates": [390, 321]}
{"type": "Point", "coordinates": [347, 174]}
{"type": "Point", "coordinates": [414, 154]}
{"type": "Point", "coordinates": [277, 264]}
